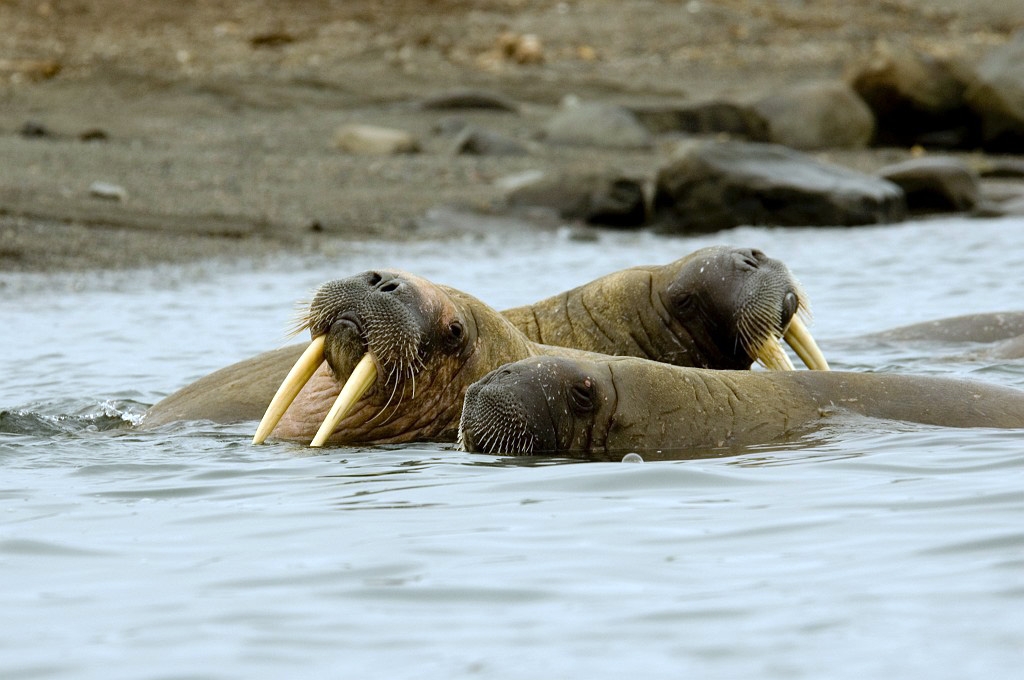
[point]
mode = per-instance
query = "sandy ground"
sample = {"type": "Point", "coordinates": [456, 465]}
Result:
{"type": "Point", "coordinates": [216, 119]}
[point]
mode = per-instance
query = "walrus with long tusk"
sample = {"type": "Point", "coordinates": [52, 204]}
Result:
{"type": "Point", "coordinates": [718, 307]}
{"type": "Point", "coordinates": [602, 406]}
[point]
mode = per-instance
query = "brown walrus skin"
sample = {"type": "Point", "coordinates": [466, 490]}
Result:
{"type": "Point", "coordinates": [614, 405]}
{"type": "Point", "coordinates": [719, 307]}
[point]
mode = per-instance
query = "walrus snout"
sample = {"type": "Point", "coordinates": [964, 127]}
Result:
{"type": "Point", "coordinates": [496, 417]}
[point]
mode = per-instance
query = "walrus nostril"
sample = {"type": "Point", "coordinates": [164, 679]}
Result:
{"type": "Point", "coordinates": [389, 287]}
{"type": "Point", "coordinates": [373, 279]}
{"type": "Point", "coordinates": [749, 257]}
{"type": "Point", "coordinates": [790, 304]}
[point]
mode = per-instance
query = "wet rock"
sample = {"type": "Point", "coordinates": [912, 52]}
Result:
{"type": "Point", "coordinates": [596, 124]}
{"type": "Point", "coordinates": [468, 99]}
{"type": "Point", "coordinates": [935, 184]}
{"type": "Point", "coordinates": [611, 200]}
{"type": "Point", "coordinates": [108, 191]}
{"type": "Point", "coordinates": [703, 118]}
{"type": "Point", "coordinates": [818, 115]}
{"type": "Point", "coordinates": [712, 185]}
{"type": "Point", "coordinates": [373, 140]}
{"type": "Point", "coordinates": [485, 143]}
{"type": "Point", "coordinates": [997, 95]}
{"type": "Point", "coordinates": [916, 99]}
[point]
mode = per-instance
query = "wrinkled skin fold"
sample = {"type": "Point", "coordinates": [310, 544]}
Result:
{"type": "Point", "coordinates": [561, 405]}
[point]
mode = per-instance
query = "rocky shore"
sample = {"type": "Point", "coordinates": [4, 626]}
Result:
{"type": "Point", "coordinates": [193, 129]}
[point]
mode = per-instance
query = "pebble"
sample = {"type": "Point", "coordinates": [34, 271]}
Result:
{"type": "Point", "coordinates": [108, 191]}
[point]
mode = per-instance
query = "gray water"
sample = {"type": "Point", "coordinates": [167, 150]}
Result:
{"type": "Point", "coordinates": [881, 550]}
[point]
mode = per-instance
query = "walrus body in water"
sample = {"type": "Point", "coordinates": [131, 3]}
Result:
{"type": "Point", "coordinates": [993, 335]}
{"type": "Point", "coordinates": [420, 345]}
{"type": "Point", "coordinates": [617, 405]}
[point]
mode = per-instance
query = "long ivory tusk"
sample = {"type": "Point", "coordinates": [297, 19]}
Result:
{"type": "Point", "coordinates": [297, 378]}
{"type": "Point", "coordinates": [773, 357]}
{"type": "Point", "coordinates": [363, 376]}
{"type": "Point", "coordinates": [800, 339]}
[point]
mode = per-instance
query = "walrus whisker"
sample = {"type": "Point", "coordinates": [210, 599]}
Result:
{"type": "Point", "coordinates": [393, 373]}
{"type": "Point", "coordinates": [293, 383]}
{"type": "Point", "coordinates": [362, 377]}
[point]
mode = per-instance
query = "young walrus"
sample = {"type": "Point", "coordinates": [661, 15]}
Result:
{"type": "Point", "coordinates": [613, 405]}
{"type": "Point", "coordinates": [719, 307]}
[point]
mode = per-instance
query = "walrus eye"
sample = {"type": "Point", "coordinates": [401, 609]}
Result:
{"type": "Point", "coordinates": [455, 334]}
{"type": "Point", "coordinates": [582, 395]}
{"type": "Point", "coordinates": [684, 303]}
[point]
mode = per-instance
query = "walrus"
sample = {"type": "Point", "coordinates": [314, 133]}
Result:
{"type": "Point", "coordinates": [598, 406]}
{"type": "Point", "coordinates": [985, 327]}
{"type": "Point", "coordinates": [992, 335]}
{"type": "Point", "coordinates": [719, 307]}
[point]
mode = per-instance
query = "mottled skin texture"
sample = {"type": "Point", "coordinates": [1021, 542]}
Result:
{"type": "Point", "coordinates": [684, 313]}
{"type": "Point", "coordinates": [617, 405]}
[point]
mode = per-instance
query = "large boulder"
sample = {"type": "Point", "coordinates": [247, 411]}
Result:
{"type": "Point", "coordinates": [600, 198]}
{"type": "Point", "coordinates": [711, 185]}
{"type": "Point", "coordinates": [916, 99]}
{"type": "Point", "coordinates": [703, 118]}
{"type": "Point", "coordinates": [935, 184]}
{"type": "Point", "coordinates": [818, 115]}
{"type": "Point", "coordinates": [596, 124]}
{"type": "Point", "coordinates": [997, 95]}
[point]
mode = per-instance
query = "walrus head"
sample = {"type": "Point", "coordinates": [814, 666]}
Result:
{"type": "Point", "coordinates": [542, 405]}
{"type": "Point", "coordinates": [734, 305]}
{"type": "Point", "coordinates": [387, 338]}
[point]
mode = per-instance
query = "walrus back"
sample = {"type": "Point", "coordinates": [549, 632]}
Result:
{"type": "Point", "coordinates": [930, 400]}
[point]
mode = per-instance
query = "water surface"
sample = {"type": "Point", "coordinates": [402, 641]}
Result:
{"type": "Point", "coordinates": [881, 550]}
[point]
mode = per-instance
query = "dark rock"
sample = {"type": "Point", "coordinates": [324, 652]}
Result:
{"type": "Point", "coordinates": [818, 115]}
{"type": "Point", "coordinates": [916, 99]}
{"type": "Point", "coordinates": [485, 143]}
{"type": "Point", "coordinates": [707, 118]}
{"type": "Point", "coordinates": [712, 185]}
{"type": "Point", "coordinates": [34, 130]}
{"type": "Point", "coordinates": [272, 39]}
{"type": "Point", "coordinates": [594, 124]}
{"type": "Point", "coordinates": [935, 184]}
{"type": "Point", "coordinates": [93, 135]}
{"type": "Point", "coordinates": [997, 95]}
{"type": "Point", "coordinates": [468, 99]}
{"type": "Point", "coordinates": [1001, 167]}
{"type": "Point", "coordinates": [600, 199]}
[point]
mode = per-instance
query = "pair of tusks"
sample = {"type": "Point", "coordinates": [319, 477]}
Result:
{"type": "Point", "coordinates": [774, 358]}
{"type": "Point", "coordinates": [364, 374]}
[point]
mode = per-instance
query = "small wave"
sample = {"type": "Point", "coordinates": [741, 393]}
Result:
{"type": "Point", "coordinates": [96, 417]}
